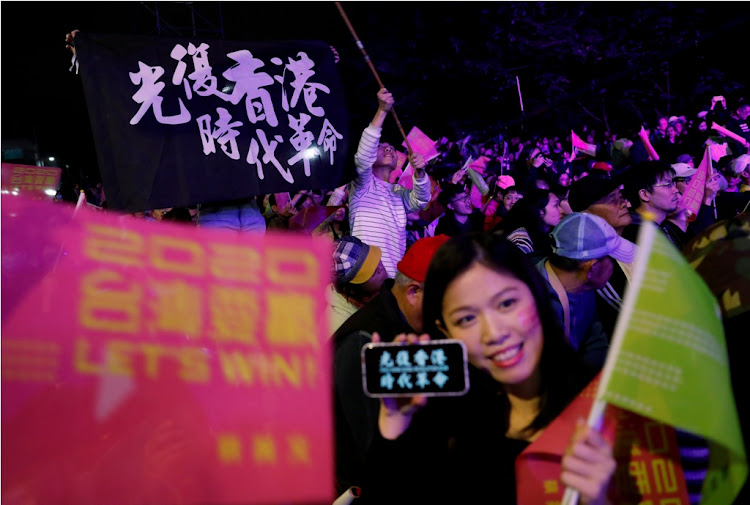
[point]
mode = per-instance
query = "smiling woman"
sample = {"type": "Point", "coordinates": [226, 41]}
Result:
{"type": "Point", "coordinates": [482, 290]}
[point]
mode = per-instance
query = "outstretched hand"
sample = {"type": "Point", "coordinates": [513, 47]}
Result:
{"type": "Point", "coordinates": [396, 413]}
{"type": "Point", "coordinates": [588, 465]}
{"type": "Point", "coordinates": [70, 41]}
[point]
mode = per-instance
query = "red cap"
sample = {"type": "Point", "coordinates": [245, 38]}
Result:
{"type": "Point", "coordinates": [602, 165]}
{"type": "Point", "coordinates": [416, 260]}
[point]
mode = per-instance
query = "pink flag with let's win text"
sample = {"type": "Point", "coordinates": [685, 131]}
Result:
{"type": "Point", "coordinates": [32, 181]}
{"type": "Point", "coordinates": [148, 362]}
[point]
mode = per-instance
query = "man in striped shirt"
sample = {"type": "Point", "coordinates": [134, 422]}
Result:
{"type": "Point", "coordinates": [377, 208]}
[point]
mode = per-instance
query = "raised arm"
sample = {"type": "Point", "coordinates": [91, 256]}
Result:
{"type": "Point", "coordinates": [367, 151]}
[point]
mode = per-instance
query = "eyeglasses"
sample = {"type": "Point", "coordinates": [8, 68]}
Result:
{"type": "Point", "coordinates": [613, 199]}
{"type": "Point", "coordinates": [464, 198]}
{"type": "Point", "coordinates": [669, 184]}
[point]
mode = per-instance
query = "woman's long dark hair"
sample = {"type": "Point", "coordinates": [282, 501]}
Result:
{"type": "Point", "coordinates": [527, 213]}
{"type": "Point", "coordinates": [561, 369]}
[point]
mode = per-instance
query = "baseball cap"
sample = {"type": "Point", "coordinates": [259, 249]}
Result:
{"type": "Point", "coordinates": [417, 258]}
{"type": "Point", "coordinates": [505, 181]}
{"type": "Point", "coordinates": [601, 165]}
{"type": "Point", "coordinates": [583, 236]}
{"type": "Point", "coordinates": [584, 192]}
{"type": "Point", "coordinates": [683, 170]}
{"type": "Point", "coordinates": [354, 262]}
{"type": "Point", "coordinates": [739, 164]}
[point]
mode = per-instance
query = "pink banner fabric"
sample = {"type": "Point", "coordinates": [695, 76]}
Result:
{"type": "Point", "coordinates": [30, 180]}
{"type": "Point", "coordinates": [643, 134]}
{"type": "Point", "coordinates": [148, 362]}
{"type": "Point", "coordinates": [582, 146]}
{"type": "Point", "coordinates": [397, 172]}
{"type": "Point", "coordinates": [648, 463]}
{"type": "Point", "coordinates": [692, 199]}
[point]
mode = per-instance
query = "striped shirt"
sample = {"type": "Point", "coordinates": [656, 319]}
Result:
{"type": "Point", "coordinates": [521, 239]}
{"type": "Point", "coordinates": [377, 209]}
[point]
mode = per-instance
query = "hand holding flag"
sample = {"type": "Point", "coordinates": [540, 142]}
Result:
{"type": "Point", "coordinates": [668, 362]}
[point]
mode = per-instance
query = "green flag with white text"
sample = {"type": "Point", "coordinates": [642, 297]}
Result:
{"type": "Point", "coordinates": [668, 360]}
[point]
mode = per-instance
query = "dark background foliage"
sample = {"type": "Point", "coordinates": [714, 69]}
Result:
{"type": "Point", "coordinates": [452, 66]}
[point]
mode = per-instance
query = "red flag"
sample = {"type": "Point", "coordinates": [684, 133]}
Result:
{"type": "Point", "coordinates": [648, 463]}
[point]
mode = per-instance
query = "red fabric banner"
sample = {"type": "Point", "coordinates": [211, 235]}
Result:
{"type": "Point", "coordinates": [648, 463]}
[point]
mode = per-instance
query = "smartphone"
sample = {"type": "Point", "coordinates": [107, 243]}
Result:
{"type": "Point", "coordinates": [435, 368]}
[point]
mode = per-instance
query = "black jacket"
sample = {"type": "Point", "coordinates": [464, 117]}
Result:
{"type": "Point", "coordinates": [449, 226]}
{"type": "Point", "coordinates": [356, 415]}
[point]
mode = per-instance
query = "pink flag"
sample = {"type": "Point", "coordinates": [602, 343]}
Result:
{"type": "Point", "coordinates": [643, 134]}
{"type": "Point", "coordinates": [582, 146]}
{"type": "Point", "coordinates": [161, 363]}
{"type": "Point", "coordinates": [692, 199]}
{"type": "Point", "coordinates": [422, 144]}
{"type": "Point", "coordinates": [406, 178]}
{"type": "Point", "coordinates": [396, 174]}
{"type": "Point", "coordinates": [728, 133]}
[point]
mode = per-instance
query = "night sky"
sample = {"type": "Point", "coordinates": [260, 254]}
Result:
{"type": "Point", "coordinates": [408, 41]}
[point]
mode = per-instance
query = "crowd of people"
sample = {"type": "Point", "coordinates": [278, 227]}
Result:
{"type": "Point", "coordinates": [523, 249]}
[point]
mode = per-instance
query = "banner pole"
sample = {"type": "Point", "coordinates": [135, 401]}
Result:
{"type": "Point", "coordinates": [374, 71]}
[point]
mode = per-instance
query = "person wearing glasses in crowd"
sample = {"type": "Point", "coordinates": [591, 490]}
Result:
{"type": "Point", "coordinates": [460, 216]}
{"type": "Point", "coordinates": [652, 192]}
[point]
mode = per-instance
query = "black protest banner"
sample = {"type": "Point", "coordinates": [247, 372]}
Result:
{"type": "Point", "coordinates": [178, 122]}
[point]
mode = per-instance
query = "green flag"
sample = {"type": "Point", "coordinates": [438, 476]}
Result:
{"type": "Point", "coordinates": [668, 360]}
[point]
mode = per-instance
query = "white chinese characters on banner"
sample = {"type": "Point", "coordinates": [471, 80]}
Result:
{"type": "Point", "coordinates": [254, 86]}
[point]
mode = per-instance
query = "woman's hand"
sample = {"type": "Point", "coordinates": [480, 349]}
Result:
{"type": "Point", "coordinates": [396, 413]}
{"type": "Point", "coordinates": [588, 465]}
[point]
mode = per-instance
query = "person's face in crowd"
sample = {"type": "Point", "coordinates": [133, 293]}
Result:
{"type": "Point", "coordinates": [678, 128]}
{"type": "Point", "coordinates": [373, 284]}
{"type": "Point", "coordinates": [461, 204]}
{"type": "Point", "coordinates": [663, 123]}
{"type": "Point", "coordinates": [703, 126]}
{"type": "Point", "coordinates": [733, 180]}
{"type": "Point", "coordinates": [671, 133]}
{"type": "Point", "coordinates": [682, 183]}
{"type": "Point", "coordinates": [613, 208]}
{"type": "Point", "coordinates": [564, 179]}
{"type": "Point", "coordinates": [665, 196]}
{"type": "Point", "coordinates": [552, 213]}
{"type": "Point", "coordinates": [600, 272]}
{"type": "Point", "coordinates": [386, 156]}
{"type": "Point", "coordinates": [743, 112]}
{"type": "Point", "coordinates": [307, 200]}
{"type": "Point", "coordinates": [541, 184]}
{"type": "Point", "coordinates": [510, 199]}
{"type": "Point", "coordinates": [495, 316]}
